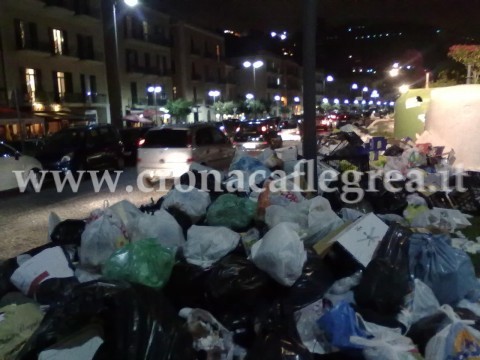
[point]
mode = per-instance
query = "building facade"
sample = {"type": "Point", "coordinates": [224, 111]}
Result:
{"type": "Point", "coordinates": [200, 69]}
{"type": "Point", "coordinates": [145, 59]}
{"type": "Point", "coordinates": [53, 61]}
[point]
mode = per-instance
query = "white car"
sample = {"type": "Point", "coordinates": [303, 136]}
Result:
{"type": "Point", "coordinates": [168, 151]}
{"type": "Point", "coordinates": [11, 160]}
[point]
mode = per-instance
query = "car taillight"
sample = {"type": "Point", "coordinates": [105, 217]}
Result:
{"type": "Point", "coordinates": [189, 140]}
{"type": "Point", "coordinates": [237, 129]}
{"type": "Point", "coordinates": [189, 160]}
{"type": "Point", "coordinates": [141, 142]}
{"type": "Point", "coordinates": [264, 128]}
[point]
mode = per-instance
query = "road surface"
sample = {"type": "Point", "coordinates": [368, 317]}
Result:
{"type": "Point", "coordinates": [24, 217]}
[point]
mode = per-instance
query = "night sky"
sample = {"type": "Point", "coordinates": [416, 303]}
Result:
{"type": "Point", "coordinates": [457, 15]}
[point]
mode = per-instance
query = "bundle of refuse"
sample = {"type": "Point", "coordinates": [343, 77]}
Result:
{"type": "Point", "coordinates": [260, 272]}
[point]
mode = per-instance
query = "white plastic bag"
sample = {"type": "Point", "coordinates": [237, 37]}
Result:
{"type": "Point", "coordinates": [190, 200]}
{"type": "Point", "coordinates": [48, 264]}
{"type": "Point", "coordinates": [387, 345]}
{"type": "Point", "coordinates": [160, 226]}
{"type": "Point", "coordinates": [280, 253]}
{"type": "Point", "coordinates": [456, 341]}
{"type": "Point", "coordinates": [127, 212]}
{"type": "Point", "coordinates": [101, 238]}
{"type": "Point", "coordinates": [208, 334]}
{"type": "Point", "coordinates": [208, 244]}
{"type": "Point", "coordinates": [53, 221]}
{"type": "Point", "coordinates": [307, 328]}
{"type": "Point", "coordinates": [421, 302]}
{"type": "Point", "coordinates": [276, 214]}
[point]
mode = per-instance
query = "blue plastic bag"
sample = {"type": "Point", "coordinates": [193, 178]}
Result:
{"type": "Point", "coordinates": [447, 271]}
{"type": "Point", "coordinates": [250, 165]}
{"type": "Point", "coordinates": [339, 324]}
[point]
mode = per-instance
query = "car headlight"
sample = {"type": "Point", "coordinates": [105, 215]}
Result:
{"type": "Point", "coordinates": [67, 158]}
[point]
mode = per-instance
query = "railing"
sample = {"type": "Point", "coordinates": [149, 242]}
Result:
{"type": "Point", "coordinates": [44, 47]}
{"type": "Point", "coordinates": [160, 40]}
{"type": "Point", "coordinates": [95, 56]}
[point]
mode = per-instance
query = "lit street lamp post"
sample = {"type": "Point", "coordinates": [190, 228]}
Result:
{"type": "Point", "coordinates": [155, 90]}
{"type": "Point", "coordinates": [214, 94]}
{"type": "Point", "coordinates": [328, 78]}
{"type": "Point", "coordinates": [255, 65]}
{"type": "Point", "coordinates": [364, 90]}
{"type": "Point", "coordinates": [109, 12]}
{"type": "Point", "coordinates": [277, 99]}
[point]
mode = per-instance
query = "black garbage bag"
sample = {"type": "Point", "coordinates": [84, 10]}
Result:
{"type": "Point", "coordinates": [426, 328]}
{"type": "Point", "coordinates": [314, 282]}
{"type": "Point", "coordinates": [340, 262]}
{"type": "Point", "coordinates": [277, 338]}
{"type": "Point", "coordinates": [152, 207]}
{"type": "Point", "coordinates": [187, 286]}
{"type": "Point", "coordinates": [68, 232]}
{"type": "Point", "coordinates": [393, 150]}
{"type": "Point", "coordinates": [7, 268]}
{"type": "Point", "coordinates": [235, 281]}
{"type": "Point", "coordinates": [54, 290]}
{"type": "Point", "coordinates": [385, 201]}
{"type": "Point", "coordinates": [182, 219]}
{"type": "Point", "coordinates": [386, 280]}
{"type": "Point", "coordinates": [137, 323]}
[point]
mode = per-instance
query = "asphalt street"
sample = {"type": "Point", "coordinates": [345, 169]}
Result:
{"type": "Point", "coordinates": [24, 217]}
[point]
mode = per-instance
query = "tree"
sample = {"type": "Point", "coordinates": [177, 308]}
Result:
{"type": "Point", "coordinates": [254, 107]}
{"type": "Point", "coordinates": [468, 55]}
{"type": "Point", "coordinates": [179, 109]}
{"type": "Point", "coordinates": [225, 108]}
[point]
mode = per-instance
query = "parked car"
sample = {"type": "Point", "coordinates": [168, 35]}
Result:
{"type": "Point", "coordinates": [168, 151]}
{"type": "Point", "coordinates": [256, 135]}
{"type": "Point", "coordinates": [130, 139]}
{"type": "Point", "coordinates": [12, 160]}
{"type": "Point", "coordinates": [291, 130]}
{"type": "Point", "coordinates": [228, 127]}
{"type": "Point", "coordinates": [30, 146]}
{"type": "Point", "coordinates": [90, 147]}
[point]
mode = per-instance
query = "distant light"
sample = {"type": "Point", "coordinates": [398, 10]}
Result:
{"type": "Point", "coordinates": [438, 31]}
{"type": "Point", "coordinates": [329, 78]}
{"type": "Point", "coordinates": [249, 96]}
{"type": "Point", "coordinates": [379, 103]}
{"type": "Point", "coordinates": [394, 72]}
{"type": "Point", "coordinates": [257, 64]}
{"type": "Point", "coordinates": [375, 94]}
{"type": "Point", "coordinates": [361, 70]}
{"type": "Point", "coordinates": [354, 86]}
{"type": "Point", "coordinates": [273, 34]}
{"type": "Point", "coordinates": [396, 65]}
{"type": "Point", "coordinates": [277, 98]}
{"type": "Point", "coordinates": [364, 102]}
{"type": "Point", "coordinates": [385, 103]}
{"type": "Point", "coordinates": [214, 93]}
{"type": "Point", "coordinates": [131, 3]}
{"type": "Point", "coordinates": [336, 101]}
{"type": "Point", "coordinates": [355, 102]}
{"type": "Point", "coordinates": [350, 56]}
{"type": "Point", "coordinates": [154, 89]}
{"type": "Point", "coordinates": [325, 100]}
{"type": "Point", "coordinates": [409, 67]}
{"type": "Point", "coordinates": [365, 89]}
{"type": "Point", "coordinates": [283, 37]}
{"type": "Point", "coordinates": [370, 102]}
{"type": "Point", "coordinates": [296, 99]}
{"type": "Point", "coordinates": [404, 88]}
{"type": "Point", "coordinates": [392, 103]}
{"type": "Point", "coordinates": [247, 64]}
{"type": "Point", "coordinates": [89, 93]}
{"type": "Point", "coordinates": [346, 102]}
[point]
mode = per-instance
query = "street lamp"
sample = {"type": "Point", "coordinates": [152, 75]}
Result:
{"type": "Point", "coordinates": [375, 94]}
{"type": "Point", "coordinates": [336, 101]}
{"type": "Point", "coordinates": [249, 96]}
{"type": "Point", "coordinates": [277, 98]}
{"type": "Point", "coordinates": [328, 78]}
{"type": "Point", "coordinates": [296, 99]}
{"type": "Point", "coordinates": [354, 86]}
{"type": "Point", "coordinates": [109, 12]}
{"type": "Point", "coordinates": [364, 90]}
{"type": "Point", "coordinates": [404, 89]}
{"type": "Point", "coordinates": [154, 90]}
{"type": "Point", "coordinates": [255, 65]}
{"type": "Point", "coordinates": [214, 94]}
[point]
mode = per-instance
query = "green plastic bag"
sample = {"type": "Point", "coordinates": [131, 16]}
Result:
{"type": "Point", "coordinates": [231, 211]}
{"type": "Point", "coordinates": [144, 262]}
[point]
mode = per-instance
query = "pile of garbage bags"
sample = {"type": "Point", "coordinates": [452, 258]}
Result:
{"type": "Point", "coordinates": [277, 274]}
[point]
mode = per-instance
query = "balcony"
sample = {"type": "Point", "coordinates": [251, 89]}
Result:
{"type": "Point", "coordinates": [212, 79]}
{"type": "Point", "coordinates": [160, 40]}
{"type": "Point", "coordinates": [135, 69]}
{"type": "Point", "coordinates": [196, 77]}
{"type": "Point", "coordinates": [59, 7]}
{"type": "Point", "coordinates": [37, 48]}
{"type": "Point", "coordinates": [47, 97]}
{"type": "Point", "coordinates": [94, 57]}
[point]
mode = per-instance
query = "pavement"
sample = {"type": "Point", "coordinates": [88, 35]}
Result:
{"type": "Point", "coordinates": [24, 217]}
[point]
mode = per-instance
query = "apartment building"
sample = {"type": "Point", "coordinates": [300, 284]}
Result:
{"type": "Point", "coordinates": [145, 58]}
{"type": "Point", "coordinates": [53, 61]}
{"type": "Point", "coordinates": [266, 75]}
{"type": "Point", "coordinates": [200, 67]}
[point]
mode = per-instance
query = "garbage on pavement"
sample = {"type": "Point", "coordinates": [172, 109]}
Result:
{"type": "Point", "coordinates": [266, 271]}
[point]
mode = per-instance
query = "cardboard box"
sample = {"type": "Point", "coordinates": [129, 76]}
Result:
{"type": "Point", "coordinates": [360, 238]}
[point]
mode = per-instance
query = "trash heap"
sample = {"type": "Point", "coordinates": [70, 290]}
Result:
{"type": "Point", "coordinates": [277, 274]}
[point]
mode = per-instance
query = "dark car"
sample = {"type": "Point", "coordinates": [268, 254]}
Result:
{"type": "Point", "coordinates": [256, 135]}
{"type": "Point", "coordinates": [228, 127]}
{"type": "Point", "coordinates": [91, 147]}
{"type": "Point", "coordinates": [130, 139]}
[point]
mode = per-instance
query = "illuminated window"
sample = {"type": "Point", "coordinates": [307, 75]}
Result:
{"type": "Point", "coordinates": [145, 30]}
{"type": "Point", "coordinates": [278, 81]}
{"type": "Point", "coordinates": [31, 85]}
{"type": "Point", "coordinates": [21, 34]}
{"type": "Point", "coordinates": [58, 42]}
{"type": "Point", "coordinates": [61, 84]}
